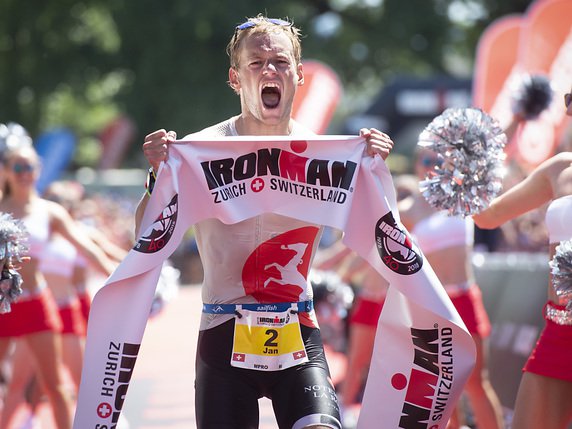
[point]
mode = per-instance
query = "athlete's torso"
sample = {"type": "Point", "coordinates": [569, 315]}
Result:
{"type": "Point", "coordinates": [262, 259]}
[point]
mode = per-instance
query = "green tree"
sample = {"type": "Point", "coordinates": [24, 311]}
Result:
{"type": "Point", "coordinates": [80, 63]}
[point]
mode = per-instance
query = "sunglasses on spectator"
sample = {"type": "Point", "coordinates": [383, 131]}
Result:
{"type": "Point", "coordinates": [430, 161]}
{"type": "Point", "coordinates": [567, 99]}
{"type": "Point", "coordinates": [20, 168]}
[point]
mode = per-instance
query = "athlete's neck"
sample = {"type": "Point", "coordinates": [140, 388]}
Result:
{"type": "Point", "coordinates": [248, 126]}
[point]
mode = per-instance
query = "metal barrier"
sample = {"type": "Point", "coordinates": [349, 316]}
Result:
{"type": "Point", "coordinates": [514, 292]}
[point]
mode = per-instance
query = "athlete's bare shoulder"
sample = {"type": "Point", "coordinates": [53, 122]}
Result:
{"type": "Point", "coordinates": [222, 129]}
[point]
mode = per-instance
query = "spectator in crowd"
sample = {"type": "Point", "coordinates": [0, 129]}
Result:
{"type": "Point", "coordinates": [34, 316]}
{"type": "Point", "coordinates": [447, 243]}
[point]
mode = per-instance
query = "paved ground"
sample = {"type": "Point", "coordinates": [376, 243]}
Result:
{"type": "Point", "coordinates": [161, 394]}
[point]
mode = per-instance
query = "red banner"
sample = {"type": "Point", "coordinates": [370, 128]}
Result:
{"type": "Point", "coordinates": [546, 48]}
{"type": "Point", "coordinates": [316, 101]}
{"type": "Point", "coordinates": [540, 42]}
{"type": "Point", "coordinates": [497, 54]}
{"type": "Point", "coordinates": [115, 140]}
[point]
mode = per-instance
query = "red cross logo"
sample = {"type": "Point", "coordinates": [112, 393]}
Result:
{"type": "Point", "coordinates": [104, 410]}
{"type": "Point", "coordinates": [257, 185]}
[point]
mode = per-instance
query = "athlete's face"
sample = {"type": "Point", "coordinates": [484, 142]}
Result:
{"type": "Point", "coordinates": [266, 77]}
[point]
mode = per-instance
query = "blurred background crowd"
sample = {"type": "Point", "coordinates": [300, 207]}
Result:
{"type": "Point", "coordinates": [88, 79]}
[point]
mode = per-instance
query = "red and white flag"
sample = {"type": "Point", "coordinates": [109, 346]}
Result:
{"type": "Point", "coordinates": [423, 352]}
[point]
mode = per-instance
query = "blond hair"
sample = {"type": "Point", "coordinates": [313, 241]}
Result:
{"type": "Point", "coordinates": [261, 24]}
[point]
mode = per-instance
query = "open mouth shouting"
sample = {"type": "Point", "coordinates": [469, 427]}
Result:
{"type": "Point", "coordinates": [271, 95]}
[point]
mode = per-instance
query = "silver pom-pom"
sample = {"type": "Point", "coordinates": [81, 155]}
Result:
{"type": "Point", "coordinates": [531, 95]}
{"type": "Point", "coordinates": [13, 238]}
{"type": "Point", "coordinates": [561, 268]}
{"type": "Point", "coordinates": [470, 148]}
{"type": "Point", "coordinates": [10, 289]}
{"type": "Point", "coordinates": [13, 135]}
{"type": "Point", "coordinates": [13, 248]}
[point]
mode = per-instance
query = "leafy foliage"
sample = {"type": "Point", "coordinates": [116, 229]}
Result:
{"type": "Point", "coordinates": [79, 63]}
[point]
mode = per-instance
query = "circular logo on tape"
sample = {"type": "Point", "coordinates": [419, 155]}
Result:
{"type": "Point", "coordinates": [104, 410]}
{"type": "Point", "coordinates": [161, 231]}
{"type": "Point", "coordinates": [395, 247]}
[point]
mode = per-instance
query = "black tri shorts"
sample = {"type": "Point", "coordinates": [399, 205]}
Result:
{"type": "Point", "coordinates": [226, 397]}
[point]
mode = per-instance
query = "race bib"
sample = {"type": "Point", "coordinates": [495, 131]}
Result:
{"type": "Point", "coordinates": [267, 341]}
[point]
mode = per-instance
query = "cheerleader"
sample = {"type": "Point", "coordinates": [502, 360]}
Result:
{"type": "Point", "coordinates": [34, 317]}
